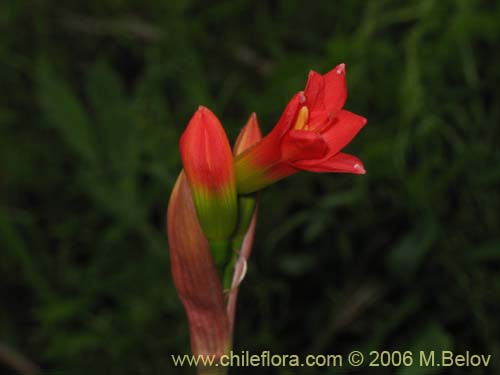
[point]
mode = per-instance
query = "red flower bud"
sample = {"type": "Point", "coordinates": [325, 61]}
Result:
{"type": "Point", "coordinates": [208, 164]}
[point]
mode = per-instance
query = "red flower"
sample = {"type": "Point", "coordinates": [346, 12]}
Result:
{"type": "Point", "coordinates": [309, 136]}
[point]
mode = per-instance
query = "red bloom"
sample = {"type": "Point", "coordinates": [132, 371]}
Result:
{"type": "Point", "coordinates": [309, 136]}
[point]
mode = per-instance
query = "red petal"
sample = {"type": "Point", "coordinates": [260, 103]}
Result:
{"type": "Point", "coordinates": [260, 165]}
{"type": "Point", "coordinates": [319, 120]}
{"type": "Point", "coordinates": [344, 128]}
{"type": "Point", "coordinates": [302, 144]}
{"type": "Point", "coordinates": [314, 92]}
{"type": "Point", "coordinates": [340, 163]}
{"type": "Point", "coordinates": [288, 117]}
{"type": "Point", "coordinates": [279, 171]}
{"type": "Point", "coordinates": [260, 156]}
{"type": "Point", "coordinates": [256, 170]}
{"type": "Point", "coordinates": [335, 89]}
{"type": "Point", "coordinates": [249, 135]}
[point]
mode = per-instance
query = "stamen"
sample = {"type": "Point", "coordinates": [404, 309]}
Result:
{"type": "Point", "coordinates": [303, 116]}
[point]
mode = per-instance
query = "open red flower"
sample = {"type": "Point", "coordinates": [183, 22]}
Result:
{"type": "Point", "coordinates": [309, 136]}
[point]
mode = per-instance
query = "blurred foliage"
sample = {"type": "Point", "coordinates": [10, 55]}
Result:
{"type": "Point", "coordinates": [94, 96]}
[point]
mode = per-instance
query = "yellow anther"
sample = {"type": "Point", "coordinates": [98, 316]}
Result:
{"type": "Point", "coordinates": [301, 123]}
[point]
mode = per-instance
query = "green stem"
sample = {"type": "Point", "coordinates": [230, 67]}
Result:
{"type": "Point", "coordinates": [227, 279]}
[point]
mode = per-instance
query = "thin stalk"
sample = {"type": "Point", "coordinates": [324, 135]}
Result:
{"type": "Point", "coordinates": [246, 249]}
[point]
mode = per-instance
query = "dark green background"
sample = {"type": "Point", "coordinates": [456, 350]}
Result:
{"type": "Point", "coordinates": [94, 96]}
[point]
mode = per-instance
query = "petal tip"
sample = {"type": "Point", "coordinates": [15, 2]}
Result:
{"type": "Point", "coordinates": [302, 97]}
{"type": "Point", "coordinates": [359, 168]}
{"type": "Point", "coordinates": [340, 69]}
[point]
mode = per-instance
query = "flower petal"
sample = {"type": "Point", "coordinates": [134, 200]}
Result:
{"type": "Point", "coordinates": [335, 93]}
{"type": "Point", "coordinates": [260, 164]}
{"type": "Point", "coordinates": [314, 92]}
{"type": "Point", "coordinates": [319, 121]}
{"type": "Point", "coordinates": [249, 135]}
{"type": "Point", "coordinates": [340, 163]}
{"type": "Point", "coordinates": [288, 117]}
{"type": "Point", "coordinates": [302, 144]}
{"type": "Point", "coordinates": [343, 129]}
{"type": "Point", "coordinates": [251, 177]}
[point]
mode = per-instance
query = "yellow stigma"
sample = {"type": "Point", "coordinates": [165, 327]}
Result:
{"type": "Point", "coordinates": [301, 123]}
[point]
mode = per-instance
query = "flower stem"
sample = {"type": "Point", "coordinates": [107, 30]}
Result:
{"type": "Point", "coordinates": [245, 251]}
